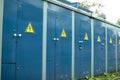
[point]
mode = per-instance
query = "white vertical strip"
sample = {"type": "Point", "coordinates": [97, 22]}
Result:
{"type": "Point", "coordinates": [116, 54]}
{"type": "Point", "coordinates": [106, 55]}
{"type": "Point", "coordinates": [1, 28]}
{"type": "Point", "coordinates": [73, 45]}
{"type": "Point", "coordinates": [44, 45]}
{"type": "Point", "coordinates": [92, 48]}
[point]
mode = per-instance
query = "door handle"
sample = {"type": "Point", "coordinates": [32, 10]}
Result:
{"type": "Point", "coordinates": [102, 44]}
{"type": "Point", "coordinates": [14, 35]}
{"type": "Point", "coordinates": [19, 35]}
{"type": "Point", "coordinates": [114, 45]}
{"type": "Point", "coordinates": [56, 39]}
{"type": "Point", "coordinates": [80, 42]}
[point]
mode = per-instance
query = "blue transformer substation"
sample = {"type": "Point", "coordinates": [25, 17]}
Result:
{"type": "Point", "coordinates": [52, 40]}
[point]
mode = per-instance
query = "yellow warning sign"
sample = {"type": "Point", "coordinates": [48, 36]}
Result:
{"type": "Point", "coordinates": [98, 40]}
{"type": "Point", "coordinates": [110, 40]}
{"type": "Point", "coordinates": [86, 37]}
{"type": "Point", "coordinates": [29, 29]}
{"type": "Point", "coordinates": [63, 34]}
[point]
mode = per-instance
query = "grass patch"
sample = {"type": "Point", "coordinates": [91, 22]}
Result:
{"type": "Point", "coordinates": [105, 76]}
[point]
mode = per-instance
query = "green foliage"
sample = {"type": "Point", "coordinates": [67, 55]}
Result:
{"type": "Point", "coordinates": [105, 76]}
{"type": "Point", "coordinates": [118, 21]}
{"type": "Point", "coordinates": [97, 79]}
{"type": "Point", "coordinates": [97, 6]}
{"type": "Point", "coordinates": [89, 78]}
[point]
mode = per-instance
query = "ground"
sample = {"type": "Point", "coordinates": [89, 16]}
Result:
{"type": "Point", "coordinates": [105, 76]}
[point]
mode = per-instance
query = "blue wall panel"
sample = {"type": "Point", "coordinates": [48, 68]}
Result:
{"type": "Point", "coordinates": [82, 47]}
{"type": "Point", "coordinates": [58, 51]}
{"type": "Point", "coordinates": [29, 46]}
{"type": "Point", "coordinates": [10, 26]}
{"type": "Point", "coordinates": [111, 47]}
{"type": "Point", "coordinates": [8, 72]}
{"type": "Point", "coordinates": [8, 44]}
{"type": "Point", "coordinates": [99, 47]}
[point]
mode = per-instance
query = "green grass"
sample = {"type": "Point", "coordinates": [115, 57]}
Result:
{"type": "Point", "coordinates": [105, 76]}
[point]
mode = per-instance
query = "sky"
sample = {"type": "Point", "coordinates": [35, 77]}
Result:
{"type": "Point", "coordinates": [111, 9]}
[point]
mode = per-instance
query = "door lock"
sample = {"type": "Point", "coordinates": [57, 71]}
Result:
{"type": "Point", "coordinates": [18, 68]}
{"type": "Point", "coordinates": [80, 47]}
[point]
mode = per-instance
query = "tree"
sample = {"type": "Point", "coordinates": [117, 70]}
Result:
{"type": "Point", "coordinates": [96, 6]}
{"type": "Point", "coordinates": [118, 22]}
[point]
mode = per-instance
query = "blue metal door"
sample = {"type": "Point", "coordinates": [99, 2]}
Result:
{"type": "Point", "coordinates": [9, 41]}
{"type": "Point", "coordinates": [118, 49]}
{"type": "Point", "coordinates": [82, 46]}
{"type": "Point", "coordinates": [99, 47]}
{"type": "Point", "coordinates": [111, 47]}
{"type": "Point", "coordinates": [58, 43]}
{"type": "Point", "coordinates": [29, 40]}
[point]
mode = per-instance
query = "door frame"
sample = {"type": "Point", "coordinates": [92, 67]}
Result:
{"type": "Point", "coordinates": [1, 30]}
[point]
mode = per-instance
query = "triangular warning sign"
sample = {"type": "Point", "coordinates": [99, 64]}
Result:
{"type": "Point", "coordinates": [63, 34]}
{"type": "Point", "coordinates": [98, 40]}
{"type": "Point", "coordinates": [86, 37]}
{"type": "Point", "coordinates": [29, 29]}
{"type": "Point", "coordinates": [110, 40]}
